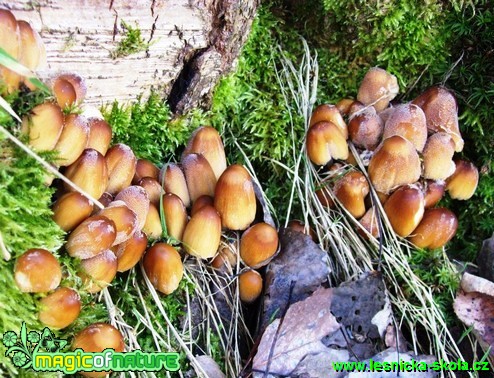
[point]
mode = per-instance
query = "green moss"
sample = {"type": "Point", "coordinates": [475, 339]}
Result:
{"type": "Point", "coordinates": [131, 43]}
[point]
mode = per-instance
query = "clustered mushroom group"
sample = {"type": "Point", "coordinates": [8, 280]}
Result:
{"type": "Point", "coordinates": [408, 153]}
{"type": "Point", "coordinates": [198, 207]}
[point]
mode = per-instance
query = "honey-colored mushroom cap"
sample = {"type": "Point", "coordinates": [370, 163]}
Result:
{"type": "Point", "coordinates": [463, 183]}
{"type": "Point", "coordinates": [438, 226]}
{"type": "Point", "coordinates": [405, 209]}
{"type": "Point", "coordinates": [378, 88]}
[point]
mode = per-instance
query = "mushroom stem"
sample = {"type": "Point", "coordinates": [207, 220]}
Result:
{"type": "Point", "coordinates": [48, 167]}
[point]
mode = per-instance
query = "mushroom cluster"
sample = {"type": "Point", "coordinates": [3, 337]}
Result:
{"type": "Point", "coordinates": [123, 209]}
{"type": "Point", "coordinates": [408, 153]}
{"type": "Point", "coordinates": [23, 43]}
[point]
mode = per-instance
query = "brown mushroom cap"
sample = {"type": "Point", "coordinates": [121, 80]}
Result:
{"type": "Point", "coordinates": [73, 139]}
{"type": "Point", "coordinates": [438, 226]}
{"type": "Point", "coordinates": [207, 141]}
{"type": "Point", "coordinates": [173, 179]}
{"type": "Point", "coordinates": [370, 223]}
{"type": "Point", "coordinates": [136, 198]}
{"type": "Point", "coordinates": [323, 194]}
{"type": "Point", "coordinates": [153, 189]}
{"type": "Point", "coordinates": [235, 199]}
{"type": "Point", "coordinates": [249, 285]}
{"type": "Point", "coordinates": [10, 41]}
{"type": "Point", "coordinates": [329, 113]}
{"type": "Point", "coordinates": [433, 192]}
{"type": "Point", "coordinates": [78, 85]}
{"type": "Point", "coordinates": [130, 252]}
{"type": "Point", "coordinates": [463, 183]}
{"type": "Point", "coordinates": [98, 271]}
{"type": "Point", "coordinates": [43, 125]}
{"type": "Point", "coordinates": [60, 308]}
{"type": "Point", "coordinates": [258, 244]}
{"type": "Point", "coordinates": [408, 121]}
{"type": "Point", "coordinates": [378, 88]}
{"type": "Point", "coordinates": [199, 176]}
{"type": "Point", "coordinates": [366, 128]}
{"type": "Point", "coordinates": [37, 271]}
{"type": "Point", "coordinates": [145, 168]}
{"type": "Point", "coordinates": [121, 163]}
{"type": "Point", "coordinates": [70, 210]}
{"type": "Point", "coordinates": [175, 215]}
{"type": "Point", "coordinates": [202, 235]}
{"type": "Point", "coordinates": [123, 217]}
{"type": "Point", "coordinates": [164, 268]}
{"type": "Point", "coordinates": [152, 228]}
{"type": "Point", "coordinates": [97, 337]}
{"type": "Point", "coordinates": [438, 157]}
{"type": "Point", "coordinates": [344, 105]}
{"type": "Point", "coordinates": [405, 209]}
{"type": "Point", "coordinates": [441, 113]}
{"type": "Point", "coordinates": [394, 163]}
{"type": "Point", "coordinates": [88, 172]}
{"type": "Point", "coordinates": [100, 135]}
{"type": "Point", "coordinates": [351, 191]}
{"type": "Point", "coordinates": [32, 53]}
{"type": "Point", "coordinates": [93, 236]}
{"type": "Point", "coordinates": [299, 226]}
{"type": "Point", "coordinates": [325, 142]}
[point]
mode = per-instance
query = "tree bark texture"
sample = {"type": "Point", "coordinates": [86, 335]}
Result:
{"type": "Point", "coordinates": [190, 45]}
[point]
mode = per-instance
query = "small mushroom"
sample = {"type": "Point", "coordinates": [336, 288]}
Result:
{"type": "Point", "coordinates": [43, 125]}
{"type": "Point", "coordinates": [365, 129]}
{"type": "Point", "coordinates": [200, 202]}
{"type": "Point", "coordinates": [235, 199]}
{"type": "Point", "coordinates": [89, 172]}
{"type": "Point", "coordinates": [130, 252]}
{"type": "Point", "coordinates": [206, 141]}
{"type": "Point", "coordinates": [69, 89]}
{"type": "Point", "coordinates": [438, 157]}
{"type": "Point", "coordinates": [394, 163]}
{"type": "Point", "coordinates": [249, 286]}
{"type": "Point", "coordinates": [37, 271]}
{"type": "Point", "coordinates": [32, 53]}
{"type": "Point", "coordinates": [325, 142]}
{"type": "Point", "coordinates": [152, 228]}
{"type": "Point", "coordinates": [441, 112]}
{"type": "Point", "coordinates": [202, 234]}
{"type": "Point", "coordinates": [98, 271]}
{"type": "Point", "coordinates": [378, 88]}
{"type": "Point", "coordinates": [145, 168]}
{"type": "Point", "coordinates": [93, 236]}
{"type": "Point", "coordinates": [408, 121]}
{"type": "Point", "coordinates": [175, 215]}
{"type": "Point", "coordinates": [121, 163]}
{"type": "Point", "coordinates": [370, 223]}
{"type": "Point", "coordinates": [123, 217]}
{"type": "Point", "coordinates": [351, 191]}
{"type": "Point", "coordinates": [463, 183]}
{"type": "Point", "coordinates": [164, 268]}
{"type": "Point", "coordinates": [199, 176]}
{"type": "Point", "coordinates": [344, 106]}
{"type": "Point", "coordinates": [438, 226]}
{"type": "Point", "coordinates": [433, 192]}
{"type": "Point", "coordinates": [258, 245]}
{"type": "Point", "coordinates": [70, 210]}
{"type": "Point", "coordinates": [173, 180]}
{"type": "Point", "coordinates": [329, 113]}
{"type": "Point", "coordinates": [405, 209]}
{"type": "Point", "coordinates": [100, 135]}
{"type": "Point", "coordinates": [152, 188]}
{"type": "Point", "coordinates": [97, 337]}
{"type": "Point", "coordinates": [136, 198]}
{"type": "Point", "coordinates": [73, 139]}
{"type": "Point", "coordinates": [60, 308]}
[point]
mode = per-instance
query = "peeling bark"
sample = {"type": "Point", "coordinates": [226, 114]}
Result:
{"type": "Point", "coordinates": [192, 43]}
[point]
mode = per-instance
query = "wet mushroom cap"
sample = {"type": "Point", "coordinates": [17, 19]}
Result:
{"type": "Point", "coordinates": [351, 191]}
{"type": "Point", "coordinates": [329, 113]}
{"type": "Point", "coordinates": [37, 271]}
{"type": "Point", "coordinates": [433, 192]}
{"type": "Point", "coordinates": [164, 268]}
{"type": "Point", "coordinates": [438, 226]}
{"type": "Point", "coordinates": [258, 244]}
{"type": "Point", "coordinates": [405, 209]}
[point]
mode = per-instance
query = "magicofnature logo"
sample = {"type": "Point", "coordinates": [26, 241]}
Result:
{"type": "Point", "coordinates": [42, 351]}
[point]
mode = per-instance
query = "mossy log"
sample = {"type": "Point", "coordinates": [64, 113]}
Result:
{"type": "Point", "coordinates": [184, 47]}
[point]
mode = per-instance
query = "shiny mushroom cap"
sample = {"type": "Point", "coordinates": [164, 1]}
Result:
{"type": "Point", "coordinates": [438, 226]}
{"type": "Point", "coordinates": [351, 191]}
{"type": "Point", "coordinates": [325, 142]}
{"type": "Point", "coordinates": [405, 209]}
{"type": "Point", "coordinates": [438, 157]}
{"type": "Point", "coordinates": [463, 183]}
{"type": "Point", "coordinates": [329, 113]}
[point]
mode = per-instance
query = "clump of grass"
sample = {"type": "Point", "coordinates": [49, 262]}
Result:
{"type": "Point", "coordinates": [131, 43]}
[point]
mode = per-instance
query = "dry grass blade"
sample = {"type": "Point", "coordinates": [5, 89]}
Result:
{"type": "Point", "coordinates": [350, 253]}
